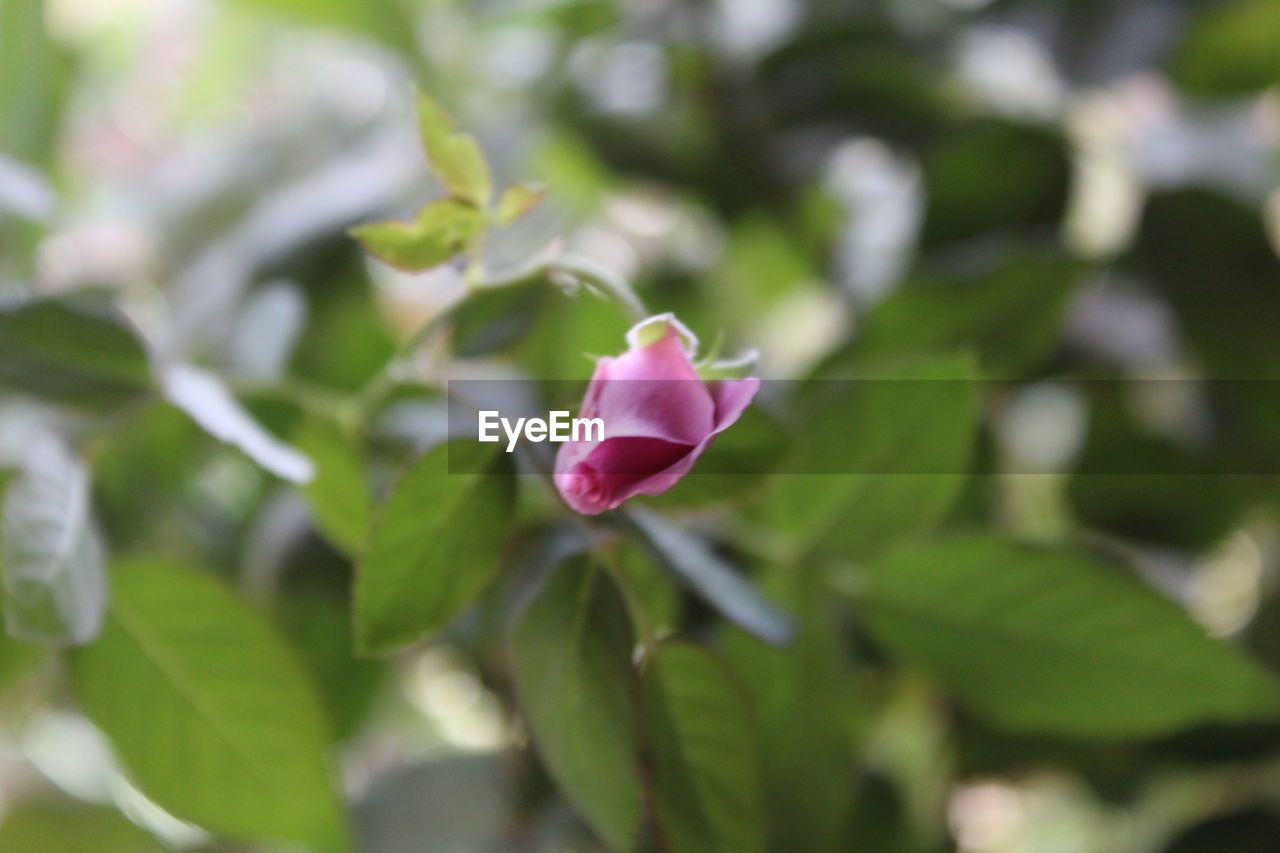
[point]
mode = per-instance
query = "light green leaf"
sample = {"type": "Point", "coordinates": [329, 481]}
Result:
{"type": "Point", "coordinates": [72, 351]}
{"type": "Point", "coordinates": [208, 709]}
{"type": "Point", "coordinates": [515, 201]}
{"type": "Point", "coordinates": [455, 157]}
{"type": "Point", "coordinates": [17, 659]}
{"type": "Point", "coordinates": [896, 450]}
{"type": "Point", "coordinates": [338, 495]}
{"type": "Point", "coordinates": [442, 229]}
{"type": "Point", "coordinates": [71, 827]}
{"type": "Point", "coordinates": [51, 553]}
{"type": "Point", "coordinates": [1230, 49]}
{"type": "Point", "coordinates": [571, 659]}
{"type": "Point", "coordinates": [435, 545]}
{"type": "Point", "coordinates": [1053, 641]}
{"type": "Point", "coordinates": [704, 768]}
{"type": "Point", "coordinates": [33, 78]}
{"type": "Point", "coordinates": [385, 20]}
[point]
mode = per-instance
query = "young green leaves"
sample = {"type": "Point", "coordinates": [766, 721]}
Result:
{"type": "Point", "coordinates": [441, 230]}
{"type": "Point", "coordinates": [450, 226]}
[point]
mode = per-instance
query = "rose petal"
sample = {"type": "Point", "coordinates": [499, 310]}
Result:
{"type": "Point", "coordinates": [617, 469]}
{"type": "Point", "coordinates": [731, 398]}
{"type": "Point", "coordinates": [652, 392]}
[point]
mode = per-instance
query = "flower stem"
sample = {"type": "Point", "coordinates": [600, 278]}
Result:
{"type": "Point", "coordinates": [604, 281]}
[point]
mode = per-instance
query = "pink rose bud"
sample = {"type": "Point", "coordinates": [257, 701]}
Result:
{"type": "Point", "coordinates": [659, 416]}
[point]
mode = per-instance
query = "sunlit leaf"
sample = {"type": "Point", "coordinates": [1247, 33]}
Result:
{"type": "Point", "coordinates": [1051, 640]}
{"type": "Point", "coordinates": [704, 766]}
{"type": "Point", "coordinates": [53, 826]}
{"type": "Point", "coordinates": [571, 658]}
{"type": "Point", "coordinates": [16, 660]}
{"type": "Point", "coordinates": [33, 77]}
{"type": "Point", "coordinates": [435, 544]}
{"type": "Point", "coordinates": [1230, 49]}
{"type": "Point", "coordinates": [441, 230]}
{"type": "Point", "coordinates": [208, 709]}
{"type": "Point", "coordinates": [455, 157]}
{"type": "Point", "coordinates": [515, 201]}
{"type": "Point", "coordinates": [385, 20]}
{"type": "Point", "coordinates": [51, 553]}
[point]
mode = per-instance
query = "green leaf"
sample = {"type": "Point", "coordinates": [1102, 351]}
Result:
{"type": "Point", "coordinates": [515, 201]}
{"type": "Point", "coordinates": [704, 769]}
{"type": "Point", "coordinates": [50, 549]}
{"type": "Point", "coordinates": [1012, 315]}
{"type": "Point", "coordinates": [571, 659]}
{"type": "Point", "coordinates": [647, 582]}
{"type": "Point", "coordinates": [455, 157]}
{"type": "Point", "coordinates": [17, 659]}
{"type": "Point", "coordinates": [897, 445]}
{"type": "Point", "coordinates": [806, 709]}
{"type": "Point", "coordinates": [338, 495]}
{"type": "Point", "coordinates": [317, 623]}
{"type": "Point", "coordinates": [692, 561]}
{"type": "Point", "coordinates": [1230, 49]}
{"type": "Point", "coordinates": [1053, 641]}
{"type": "Point", "coordinates": [435, 545]}
{"type": "Point", "coordinates": [208, 709]}
{"type": "Point", "coordinates": [70, 351]}
{"type": "Point", "coordinates": [1147, 487]}
{"type": "Point", "coordinates": [1188, 237]}
{"type": "Point", "coordinates": [992, 174]}
{"type": "Point", "coordinates": [33, 78]}
{"type": "Point", "coordinates": [385, 20]}
{"type": "Point", "coordinates": [71, 827]}
{"type": "Point", "coordinates": [493, 318]}
{"type": "Point", "coordinates": [441, 230]}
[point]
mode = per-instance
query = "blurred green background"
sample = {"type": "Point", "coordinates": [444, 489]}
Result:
{"type": "Point", "coordinates": [1039, 191]}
